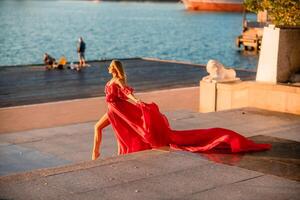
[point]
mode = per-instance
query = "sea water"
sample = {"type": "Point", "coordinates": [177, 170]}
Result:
{"type": "Point", "coordinates": [28, 29]}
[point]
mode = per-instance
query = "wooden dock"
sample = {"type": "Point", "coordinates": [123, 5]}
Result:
{"type": "Point", "coordinates": [22, 85]}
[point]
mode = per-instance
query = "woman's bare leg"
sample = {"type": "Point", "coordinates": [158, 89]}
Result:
{"type": "Point", "coordinates": [101, 124]}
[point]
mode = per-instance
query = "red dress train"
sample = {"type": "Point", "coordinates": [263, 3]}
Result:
{"type": "Point", "coordinates": [142, 126]}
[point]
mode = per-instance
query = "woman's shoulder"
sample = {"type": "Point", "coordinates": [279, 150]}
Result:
{"type": "Point", "coordinates": [121, 83]}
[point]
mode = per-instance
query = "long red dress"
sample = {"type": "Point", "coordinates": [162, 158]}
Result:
{"type": "Point", "coordinates": [142, 126]}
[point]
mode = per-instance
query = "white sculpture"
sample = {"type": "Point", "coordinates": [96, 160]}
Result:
{"type": "Point", "coordinates": [218, 73]}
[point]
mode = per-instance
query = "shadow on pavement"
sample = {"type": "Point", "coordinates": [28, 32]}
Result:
{"type": "Point", "coordinates": [282, 160]}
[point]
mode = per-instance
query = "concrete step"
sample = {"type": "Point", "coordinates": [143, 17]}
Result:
{"type": "Point", "coordinates": [153, 174]}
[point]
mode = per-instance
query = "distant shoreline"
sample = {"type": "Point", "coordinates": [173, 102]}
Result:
{"type": "Point", "coordinates": [146, 0]}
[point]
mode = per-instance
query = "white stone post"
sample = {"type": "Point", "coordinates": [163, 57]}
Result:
{"type": "Point", "coordinates": [279, 58]}
{"type": "Point", "coordinates": [267, 63]}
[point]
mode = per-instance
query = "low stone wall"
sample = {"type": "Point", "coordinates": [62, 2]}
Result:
{"type": "Point", "coordinates": [224, 96]}
{"type": "Point", "coordinates": [45, 115]}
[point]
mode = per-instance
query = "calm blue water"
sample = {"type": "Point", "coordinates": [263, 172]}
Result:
{"type": "Point", "coordinates": [117, 30]}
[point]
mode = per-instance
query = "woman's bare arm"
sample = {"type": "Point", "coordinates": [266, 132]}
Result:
{"type": "Point", "coordinates": [130, 96]}
{"type": "Point", "coordinates": [133, 98]}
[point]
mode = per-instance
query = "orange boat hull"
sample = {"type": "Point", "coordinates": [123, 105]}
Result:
{"type": "Point", "coordinates": [213, 6]}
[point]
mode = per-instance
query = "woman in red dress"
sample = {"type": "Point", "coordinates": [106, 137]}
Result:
{"type": "Point", "coordinates": [139, 126]}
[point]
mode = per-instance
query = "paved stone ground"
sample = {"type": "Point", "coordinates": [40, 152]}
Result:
{"type": "Point", "coordinates": [156, 174]}
{"type": "Point", "coordinates": [23, 85]}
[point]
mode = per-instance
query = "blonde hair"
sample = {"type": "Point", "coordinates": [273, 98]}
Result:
{"type": "Point", "coordinates": [118, 67]}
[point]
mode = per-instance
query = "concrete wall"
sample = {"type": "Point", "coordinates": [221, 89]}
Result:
{"type": "Point", "coordinates": [275, 97]}
{"type": "Point", "coordinates": [288, 54]}
{"type": "Point", "coordinates": [207, 97]}
{"type": "Point", "coordinates": [230, 96]}
{"type": "Point", "coordinates": [280, 55]}
{"type": "Point", "coordinates": [45, 115]}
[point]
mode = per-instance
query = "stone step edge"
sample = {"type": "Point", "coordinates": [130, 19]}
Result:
{"type": "Point", "coordinates": [51, 171]}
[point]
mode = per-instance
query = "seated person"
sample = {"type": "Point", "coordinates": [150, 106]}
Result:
{"type": "Point", "coordinates": [61, 63]}
{"type": "Point", "coordinates": [49, 61]}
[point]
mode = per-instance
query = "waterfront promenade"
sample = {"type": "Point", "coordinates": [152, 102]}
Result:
{"type": "Point", "coordinates": [53, 162]}
{"type": "Point", "coordinates": [82, 92]}
{"type": "Point", "coordinates": [23, 85]}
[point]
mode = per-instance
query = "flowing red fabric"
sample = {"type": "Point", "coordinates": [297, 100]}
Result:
{"type": "Point", "coordinates": [142, 126]}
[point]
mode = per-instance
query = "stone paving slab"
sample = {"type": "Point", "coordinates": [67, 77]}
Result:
{"type": "Point", "coordinates": [282, 160]}
{"type": "Point", "coordinates": [155, 174]}
{"type": "Point", "coordinates": [16, 158]}
{"type": "Point", "coordinates": [263, 187]}
{"type": "Point", "coordinates": [246, 121]}
{"type": "Point", "coordinates": [127, 177]}
{"type": "Point", "coordinates": [73, 143]}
